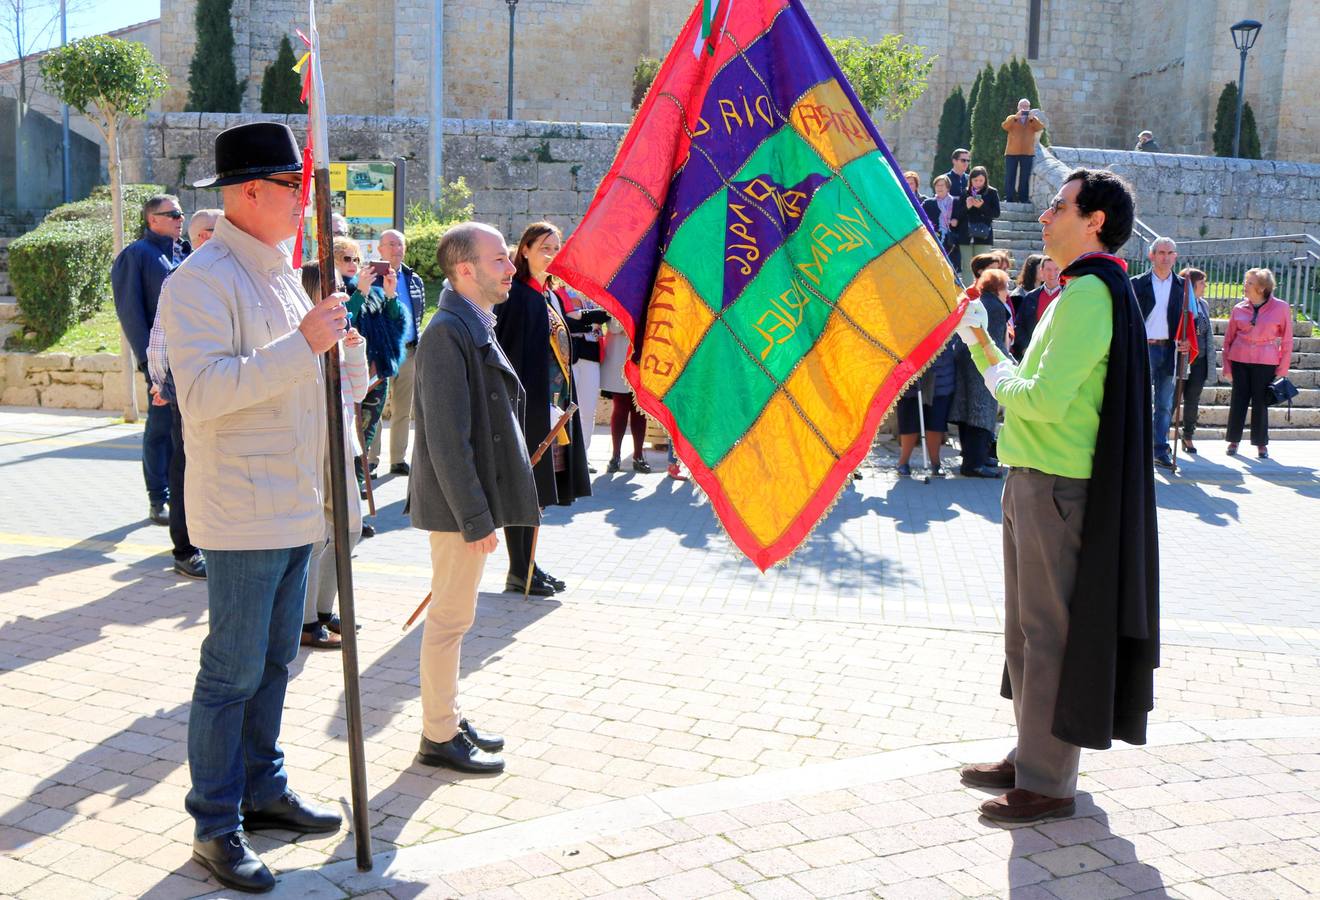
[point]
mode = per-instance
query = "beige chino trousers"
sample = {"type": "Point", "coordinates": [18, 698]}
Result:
{"type": "Point", "coordinates": [1042, 539]}
{"type": "Point", "coordinates": [455, 576]}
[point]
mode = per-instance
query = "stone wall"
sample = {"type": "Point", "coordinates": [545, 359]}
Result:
{"type": "Point", "coordinates": [61, 381]}
{"type": "Point", "coordinates": [1191, 197]}
{"type": "Point", "coordinates": [518, 171]}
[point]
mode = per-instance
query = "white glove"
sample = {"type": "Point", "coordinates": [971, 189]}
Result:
{"type": "Point", "coordinates": [997, 373]}
{"type": "Point", "coordinates": [974, 316]}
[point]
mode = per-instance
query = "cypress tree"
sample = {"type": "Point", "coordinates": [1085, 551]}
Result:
{"type": "Point", "coordinates": [972, 97]}
{"type": "Point", "coordinates": [1226, 119]}
{"type": "Point", "coordinates": [1225, 111]}
{"type": "Point", "coordinates": [280, 85]}
{"type": "Point", "coordinates": [1250, 144]}
{"type": "Point", "coordinates": [950, 133]}
{"type": "Point", "coordinates": [988, 137]}
{"type": "Point", "coordinates": [212, 81]}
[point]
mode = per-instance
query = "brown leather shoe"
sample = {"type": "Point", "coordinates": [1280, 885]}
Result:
{"type": "Point", "coordinates": [1019, 806]}
{"type": "Point", "coordinates": [1000, 774]}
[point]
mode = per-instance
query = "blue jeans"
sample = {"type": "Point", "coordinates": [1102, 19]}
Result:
{"type": "Point", "coordinates": [157, 448]}
{"type": "Point", "coordinates": [1161, 382]}
{"type": "Point", "coordinates": [255, 600]}
{"type": "Point", "coordinates": [1017, 178]}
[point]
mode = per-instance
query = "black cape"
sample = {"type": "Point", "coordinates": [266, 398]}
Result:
{"type": "Point", "coordinates": [1107, 684]}
{"type": "Point", "coordinates": [523, 329]}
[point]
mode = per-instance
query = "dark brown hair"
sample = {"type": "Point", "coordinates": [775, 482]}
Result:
{"type": "Point", "coordinates": [533, 233]}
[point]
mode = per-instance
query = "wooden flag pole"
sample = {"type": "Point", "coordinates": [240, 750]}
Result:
{"type": "Point", "coordinates": [536, 458]}
{"type": "Point", "coordinates": [338, 471]}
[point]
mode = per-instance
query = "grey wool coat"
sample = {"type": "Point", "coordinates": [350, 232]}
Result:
{"type": "Point", "coordinates": [470, 470]}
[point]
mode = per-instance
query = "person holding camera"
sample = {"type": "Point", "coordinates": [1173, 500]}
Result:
{"type": "Point", "coordinates": [1257, 350]}
{"type": "Point", "coordinates": [977, 232]}
{"type": "Point", "coordinates": [1146, 143]}
{"type": "Point", "coordinates": [375, 311]}
{"type": "Point", "coordinates": [1020, 151]}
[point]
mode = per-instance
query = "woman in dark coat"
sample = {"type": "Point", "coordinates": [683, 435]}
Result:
{"type": "Point", "coordinates": [977, 230]}
{"type": "Point", "coordinates": [974, 407]}
{"type": "Point", "coordinates": [534, 334]}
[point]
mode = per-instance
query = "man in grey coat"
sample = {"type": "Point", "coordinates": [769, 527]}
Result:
{"type": "Point", "coordinates": [470, 476]}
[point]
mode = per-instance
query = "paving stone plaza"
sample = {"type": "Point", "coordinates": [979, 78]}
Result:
{"type": "Point", "coordinates": [678, 725]}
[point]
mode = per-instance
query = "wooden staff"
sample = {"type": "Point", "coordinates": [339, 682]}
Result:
{"type": "Point", "coordinates": [536, 458]}
{"type": "Point", "coordinates": [357, 765]}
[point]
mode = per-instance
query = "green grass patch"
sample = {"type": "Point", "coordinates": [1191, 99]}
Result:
{"type": "Point", "coordinates": [99, 334]}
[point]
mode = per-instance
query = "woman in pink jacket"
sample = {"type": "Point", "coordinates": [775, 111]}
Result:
{"type": "Point", "coordinates": [1257, 350]}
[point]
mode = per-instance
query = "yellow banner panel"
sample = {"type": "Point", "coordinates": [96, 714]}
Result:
{"type": "Point", "coordinates": [826, 119]}
{"type": "Point", "coordinates": [369, 204]}
{"type": "Point", "coordinates": [837, 379]}
{"type": "Point", "coordinates": [676, 321]}
{"type": "Point", "coordinates": [873, 300]}
{"type": "Point", "coordinates": [774, 469]}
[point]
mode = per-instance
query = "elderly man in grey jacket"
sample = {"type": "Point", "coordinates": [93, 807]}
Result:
{"type": "Point", "coordinates": [470, 476]}
{"type": "Point", "coordinates": [245, 345]}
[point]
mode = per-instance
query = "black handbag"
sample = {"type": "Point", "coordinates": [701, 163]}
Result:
{"type": "Point", "coordinates": [1281, 390]}
{"type": "Point", "coordinates": [980, 232]}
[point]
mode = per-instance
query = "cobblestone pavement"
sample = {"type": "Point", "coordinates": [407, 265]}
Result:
{"type": "Point", "coordinates": [678, 725]}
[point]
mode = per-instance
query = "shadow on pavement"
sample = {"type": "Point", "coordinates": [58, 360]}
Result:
{"type": "Point", "coordinates": [150, 593]}
{"type": "Point", "coordinates": [1024, 876]}
{"type": "Point", "coordinates": [120, 448]}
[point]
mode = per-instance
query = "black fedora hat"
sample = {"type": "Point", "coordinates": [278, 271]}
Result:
{"type": "Point", "coordinates": [256, 150]}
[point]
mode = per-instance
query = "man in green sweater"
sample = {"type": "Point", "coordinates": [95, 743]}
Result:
{"type": "Point", "coordinates": [1055, 413]}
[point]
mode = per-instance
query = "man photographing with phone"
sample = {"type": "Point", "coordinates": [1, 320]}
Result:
{"type": "Point", "coordinates": [1020, 151]}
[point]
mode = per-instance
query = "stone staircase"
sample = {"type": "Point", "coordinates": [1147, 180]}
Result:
{"type": "Point", "coordinates": [1017, 229]}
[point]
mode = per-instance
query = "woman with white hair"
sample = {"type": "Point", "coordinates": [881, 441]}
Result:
{"type": "Point", "coordinates": [1257, 350]}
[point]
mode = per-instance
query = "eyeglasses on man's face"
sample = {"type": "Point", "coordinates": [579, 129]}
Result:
{"type": "Point", "coordinates": [1057, 205]}
{"type": "Point", "coordinates": [295, 186]}
{"type": "Point", "coordinates": [169, 214]}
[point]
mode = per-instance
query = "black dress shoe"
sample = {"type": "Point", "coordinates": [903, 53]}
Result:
{"type": "Point", "coordinates": [192, 567]}
{"type": "Point", "coordinates": [233, 863]}
{"type": "Point", "coordinates": [516, 584]}
{"type": "Point", "coordinates": [290, 813]}
{"type": "Point", "coordinates": [491, 743]}
{"type": "Point", "coordinates": [159, 514]}
{"type": "Point", "coordinates": [983, 472]}
{"type": "Point", "coordinates": [400, 468]}
{"type": "Point", "coordinates": [549, 579]}
{"type": "Point", "coordinates": [459, 753]}
{"type": "Point", "coordinates": [332, 623]}
{"type": "Point", "coordinates": [368, 530]}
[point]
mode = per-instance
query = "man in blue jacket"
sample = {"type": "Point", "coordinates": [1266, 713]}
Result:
{"type": "Point", "coordinates": [137, 275]}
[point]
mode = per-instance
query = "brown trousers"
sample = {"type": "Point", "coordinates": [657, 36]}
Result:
{"type": "Point", "coordinates": [1042, 539]}
{"type": "Point", "coordinates": [455, 575]}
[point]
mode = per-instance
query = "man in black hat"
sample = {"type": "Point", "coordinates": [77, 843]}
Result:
{"type": "Point", "coordinates": [245, 344]}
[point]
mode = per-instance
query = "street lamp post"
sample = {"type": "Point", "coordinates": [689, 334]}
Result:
{"type": "Point", "coordinates": [513, 6]}
{"type": "Point", "coordinates": [1244, 37]}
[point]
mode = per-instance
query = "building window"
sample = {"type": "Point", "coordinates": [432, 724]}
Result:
{"type": "Point", "coordinates": [1033, 30]}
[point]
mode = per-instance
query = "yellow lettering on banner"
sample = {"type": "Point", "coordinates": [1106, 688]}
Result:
{"type": "Point", "coordinates": [676, 321]}
{"type": "Point", "coordinates": [702, 127]}
{"type": "Point", "coordinates": [744, 115]}
{"type": "Point", "coordinates": [788, 203]}
{"type": "Point", "coordinates": [780, 322]}
{"type": "Point", "coordinates": [846, 234]}
{"type": "Point", "coordinates": [826, 119]}
{"type": "Point", "coordinates": [747, 251]}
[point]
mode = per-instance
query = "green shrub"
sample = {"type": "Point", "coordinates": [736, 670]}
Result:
{"type": "Point", "coordinates": [61, 269]}
{"type": "Point", "coordinates": [424, 225]}
{"type": "Point", "coordinates": [643, 74]}
{"type": "Point", "coordinates": [61, 274]}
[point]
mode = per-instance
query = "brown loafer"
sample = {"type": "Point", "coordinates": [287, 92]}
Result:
{"type": "Point", "coordinates": [1000, 774]}
{"type": "Point", "coordinates": [1019, 806]}
{"type": "Point", "coordinates": [318, 637]}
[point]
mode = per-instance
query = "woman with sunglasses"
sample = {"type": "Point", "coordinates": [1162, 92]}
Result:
{"type": "Point", "coordinates": [1257, 350]}
{"type": "Point", "coordinates": [375, 311]}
